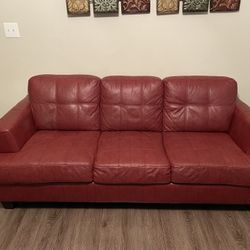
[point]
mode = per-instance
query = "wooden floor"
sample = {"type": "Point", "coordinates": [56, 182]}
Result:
{"type": "Point", "coordinates": [136, 227]}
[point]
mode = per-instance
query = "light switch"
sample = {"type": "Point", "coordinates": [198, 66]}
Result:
{"type": "Point", "coordinates": [11, 29]}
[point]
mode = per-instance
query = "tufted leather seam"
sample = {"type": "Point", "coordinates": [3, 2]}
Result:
{"type": "Point", "coordinates": [143, 166]}
{"type": "Point", "coordinates": [142, 105]}
{"type": "Point", "coordinates": [130, 150]}
{"type": "Point", "coordinates": [120, 106]}
{"type": "Point", "coordinates": [77, 96]}
{"type": "Point", "coordinates": [208, 106]}
{"type": "Point", "coordinates": [185, 107]}
{"type": "Point", "coordinates": [95, 155]}
{"type": "Point", "coordinates": [119, 146]}
{"type": "Point", "coordinates": [131, 105]}
{"type": "Point", "coordinates": [99, 104]}
{"type": "Point", "coordinates": [56, 114]}
{"type": "Point", "coordinates": [195, 104]}
{"type": "Point", "coordinates": [68, 103]}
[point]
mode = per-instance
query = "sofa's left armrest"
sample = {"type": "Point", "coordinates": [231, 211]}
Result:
{"type": "Point", "coordinates": [16, 127]}
{"type": "Point", "coordinates": [240, 127]}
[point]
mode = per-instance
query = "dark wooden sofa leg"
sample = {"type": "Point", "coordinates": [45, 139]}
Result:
{"type": "Point", "coordinates": [8, 205]}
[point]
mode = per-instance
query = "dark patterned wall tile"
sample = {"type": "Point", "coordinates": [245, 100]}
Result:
{"type": "Point", "coordinates": [167, 7]}
{"type": "Point", "coordinates": [195, 6]}
{"type": "Point", "coordinates": [224, 5]}
{"type": "Point", "coordinates": [106, 7]}
{"type": "Point", "coordinates": [78, 7]}
{"type": "Point", "coordinates": [135, 6]}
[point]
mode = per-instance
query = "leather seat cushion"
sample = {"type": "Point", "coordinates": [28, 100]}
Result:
{"type": "Point", "coordinates": [131, 157]}
{"type": "Point", "coordinates": [206, 158]}
{"type": "Point", "coordinates": [50, 157]}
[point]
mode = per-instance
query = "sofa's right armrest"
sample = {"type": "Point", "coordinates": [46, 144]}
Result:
{"type": "Point", "coordinates": [240, 127]}
{"type": "Point", "coordinates": [16, 127]}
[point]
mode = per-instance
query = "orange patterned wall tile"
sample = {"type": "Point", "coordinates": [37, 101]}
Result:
{"type": "Point", "coordinates": [78, 7]}
{"type": "Point", "coordinates": [167, 7]}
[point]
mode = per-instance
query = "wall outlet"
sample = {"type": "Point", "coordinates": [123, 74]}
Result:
{"type": "Point", "coordinates": [11, 29]}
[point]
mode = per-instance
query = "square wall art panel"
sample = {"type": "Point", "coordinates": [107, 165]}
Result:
{"type": "Point", "coordinates": [78, 7]}
{"type": "Point", "coordinates": [224, 5]}
{"type": "Point", "coordinates": [106, 7]}
{"type": "Point", "coordinates": [167, 7]}
{"type": "Point", "coordinates": [195, 6]}
{"type": "Point", "coordinates": [135, 6]}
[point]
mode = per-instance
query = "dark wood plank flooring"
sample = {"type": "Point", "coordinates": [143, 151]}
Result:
{"type": "Point", "coordinates": [81, 226]}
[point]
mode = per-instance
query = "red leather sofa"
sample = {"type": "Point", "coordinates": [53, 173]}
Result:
{"type": "Point", "coordinates": [78, 138]}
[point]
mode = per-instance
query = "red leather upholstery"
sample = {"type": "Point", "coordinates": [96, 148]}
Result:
{"type": "Point", "coordinates": [51, 156]}
{"type": "Point", "coordinates": [131, 157]}
{"type": "Point", "coordinates": [16, 127]}
{"type": "Point", "coordinates": [240, 127]}
{"type": "Point", "coordinates": [163, 193]}
{"type": "Point", "coordinates": [52, 164]}
{"type": "Point", "coordinates": [206, 158]}
{"type": "Point", "coordinates": [198, 103]}
{"type": "Point", "coordinates": [65, 102]}
{"type": "Point", "coordinates": [131, 103]}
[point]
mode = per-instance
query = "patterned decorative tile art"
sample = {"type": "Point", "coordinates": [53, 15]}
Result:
{"type": "Point", "coordinates": [224, 5]}
{"type": "Point", "coordinates": [106, 7]}
{"type": "Point", "coordinates": [135, 6]}
{"type": "Point", "coordinates": [195, 6]}
{"type": "Point", "coordinates": [78, 7]}
{"type": "Point", "coordinates": [167, 7]}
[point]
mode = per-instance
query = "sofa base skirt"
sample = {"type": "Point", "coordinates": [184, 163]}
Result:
{"type": "Point", "coordinates": [167, 193]}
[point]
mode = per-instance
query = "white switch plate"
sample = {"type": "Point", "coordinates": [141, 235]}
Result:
{"type": "Point", "coordinates": [11, 29]}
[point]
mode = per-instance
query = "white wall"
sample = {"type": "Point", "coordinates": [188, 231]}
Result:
{"type": "Point", "coordinates": [213, 44]}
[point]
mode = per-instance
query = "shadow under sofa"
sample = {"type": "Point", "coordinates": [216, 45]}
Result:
{"type": "Point", "coordinates": [78, 138]}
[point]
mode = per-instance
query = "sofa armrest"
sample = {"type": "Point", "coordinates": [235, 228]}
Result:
{"type": "Point", "coordinates": [240, 127]}
{"type": "Point", "coordinates": [16, 127]}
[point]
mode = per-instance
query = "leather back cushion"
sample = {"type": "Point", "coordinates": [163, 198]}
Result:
{"type": "Point", "coordinates": [65, 102]}
{"type": "Point", "coordinates": [198, 103]}
{"type": "Point", "coordinates": [131, 103]}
